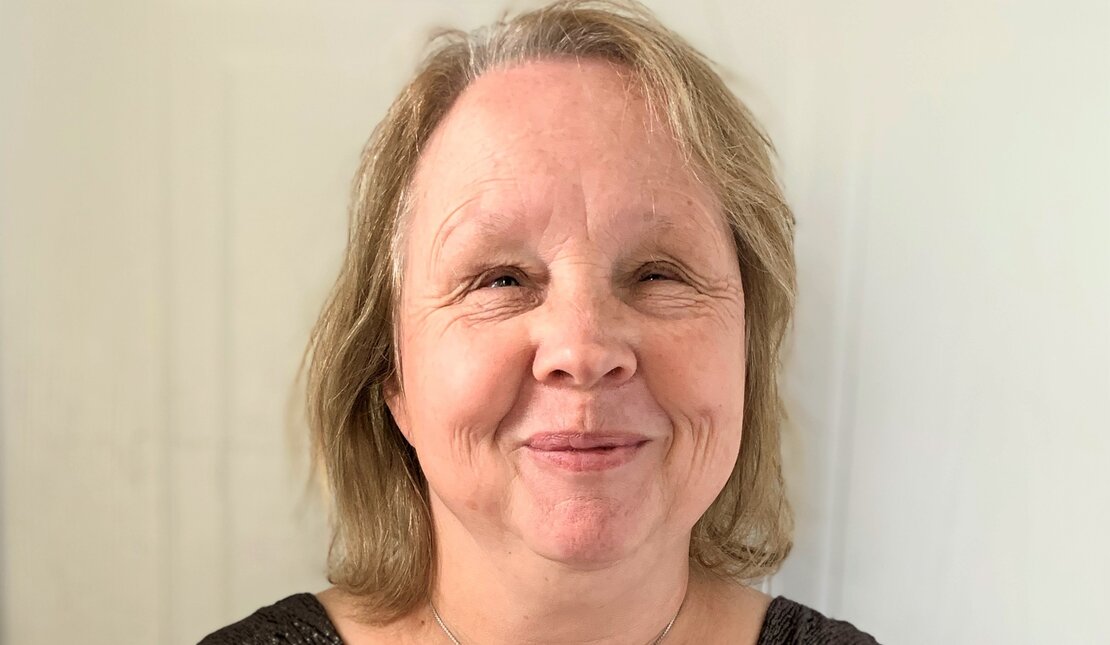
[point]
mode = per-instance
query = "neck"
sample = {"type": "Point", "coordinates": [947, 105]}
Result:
{"type": "Point", "coordinates": [489, 593]}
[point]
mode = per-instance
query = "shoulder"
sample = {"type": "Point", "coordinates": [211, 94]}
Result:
{"type": "Point", "coordinates": [791, 622]}
{"type": "Point", "coordinates": [722, 608]}
{"type": "Point", "coordinates": [299, 619]}
{"type": "Point", "coordinates": [348, 615]}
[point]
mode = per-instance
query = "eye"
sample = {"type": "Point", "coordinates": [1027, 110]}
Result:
{"type": "Point", "coordinates": [503, 281]}
{"type": "Point", "coordinates": [500, 278]}
{"type": "Point", "coordinates": [657, 273]}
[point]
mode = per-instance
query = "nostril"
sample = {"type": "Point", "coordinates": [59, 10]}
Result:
{"type": "Point", "coordinates": [572, 360]}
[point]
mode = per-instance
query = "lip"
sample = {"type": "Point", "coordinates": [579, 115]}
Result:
{"type": "Point", "coordinates": [580, 452]}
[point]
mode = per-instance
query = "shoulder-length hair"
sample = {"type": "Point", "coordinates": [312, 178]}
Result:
{"type": "Point", "coordinates": [382, 547]}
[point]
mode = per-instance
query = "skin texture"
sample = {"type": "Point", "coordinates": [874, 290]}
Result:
{"type": "Point", "coordinates": [566, 272]}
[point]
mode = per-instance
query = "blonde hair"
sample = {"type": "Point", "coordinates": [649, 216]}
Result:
{"type": "Point", "coordinates": [383, 542]}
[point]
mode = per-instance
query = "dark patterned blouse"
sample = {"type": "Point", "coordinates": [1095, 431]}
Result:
{"type": "Point", "coordinates": [300, 620]}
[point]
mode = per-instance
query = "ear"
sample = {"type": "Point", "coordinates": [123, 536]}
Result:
{"type": "Point", "coordinates": [395, 400]}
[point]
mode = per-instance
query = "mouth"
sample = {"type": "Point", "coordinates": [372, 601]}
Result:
{"type": "Point", "coordinates": [579, 452]}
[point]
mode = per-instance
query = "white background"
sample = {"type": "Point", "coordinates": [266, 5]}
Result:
{"type": "Point", "coordinates": [173, 179]}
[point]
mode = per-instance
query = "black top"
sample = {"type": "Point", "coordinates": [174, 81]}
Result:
{"type": "Point", "coordinates": [300, 620]}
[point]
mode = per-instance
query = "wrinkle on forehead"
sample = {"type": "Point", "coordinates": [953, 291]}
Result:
{"type": "Point", "coordinates": [507, 152]}
{"type": "Point", "coordinates": [489, 223]}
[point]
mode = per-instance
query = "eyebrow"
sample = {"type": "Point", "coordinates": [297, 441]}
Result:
{"type": "Point", "coordinates": [658, 226]}
{"type": "Point", "coordinates": [488, 222]}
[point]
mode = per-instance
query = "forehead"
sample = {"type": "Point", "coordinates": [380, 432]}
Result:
{"type": "Point", "coordinates": [551, 138]}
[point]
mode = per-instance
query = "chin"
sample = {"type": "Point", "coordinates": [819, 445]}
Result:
{"type": "Point", "coordinates": [586, 533]}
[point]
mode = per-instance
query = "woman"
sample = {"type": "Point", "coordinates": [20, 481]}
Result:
{"type": "Point", "coordinates": [544, 388]}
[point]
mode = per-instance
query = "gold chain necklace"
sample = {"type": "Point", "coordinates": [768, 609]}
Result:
{"type": "Point", "coordinates": [658, 639]}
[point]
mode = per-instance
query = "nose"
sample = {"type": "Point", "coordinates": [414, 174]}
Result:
{"type": "Point", "coordinates": [584, 342]}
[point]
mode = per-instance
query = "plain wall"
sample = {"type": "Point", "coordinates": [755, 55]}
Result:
{"type": "Point", "coordinates": [173, 181]}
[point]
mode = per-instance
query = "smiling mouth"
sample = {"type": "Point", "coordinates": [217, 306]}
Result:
{"type": "Point", "coordinates": [576, 441]}
{"type": "Point", "coordinates": [581, 453]}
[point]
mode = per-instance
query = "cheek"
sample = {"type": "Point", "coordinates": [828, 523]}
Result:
{"type": "Point", "coordinates": [699, 369]}
{"type": "Point", "coordinates": [459, 388]}
{"type": "Point", "coordinates": [698, 378]}
{"type": "Point", "coordinates": [459, 385]}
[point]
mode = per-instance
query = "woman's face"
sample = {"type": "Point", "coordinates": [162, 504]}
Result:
{"type": "Point", "coordinates": [571, 320]}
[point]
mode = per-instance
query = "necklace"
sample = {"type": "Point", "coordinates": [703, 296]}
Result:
{"type": "Point", "coordinates": [658, 639]}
